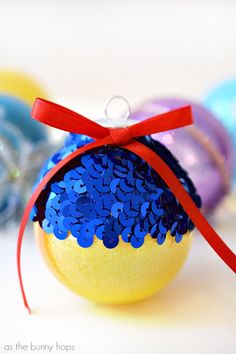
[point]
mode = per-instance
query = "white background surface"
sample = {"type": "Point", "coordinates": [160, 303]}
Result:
{"type": "Point", "coordinates": [87, 51]}
{"type": "Point", "coordinates": [83, 52]}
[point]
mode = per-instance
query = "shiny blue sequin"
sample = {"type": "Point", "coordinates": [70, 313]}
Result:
{"type": "Point", "coordinates": [144, 208]}
{"type": "Point", "coordinates": [110, 242]}
{"type": "Point", "coordinates": [84, 242]}
{"type": "Point", "coordinates": [116, 209]}
{"type": "Point", "coordinates": [129, 211]}
{"type": "Point", "coordinates": [47, 226]}
{"type": "Point", "coordinates": [114, 185]}
{"type": "Point", "coordinates": [126, 234]}
{"type": "Point", "coordinates": [61, 235]}
{"type": "Point", "coordinates": [161, 238]}
{"type": "Point", "coordinates": [69, 222]}
{"type": "Point", "coordinates": [75, 230]}
{"type": "Point", "coordinates": [87, 231]}
{"type": "Point", "coordinates": [80, 187]}
{"type": "Point", "coordinates": [136, 242]}
{"type": "Point", "coordinates": [152, 218]}
{"type": "Point", "coordinates": [101, 209]}
{"type": "Point", "coordinates": [139, 232]}
{"type": "Point", "coordinates": [112, 194]}
{"type": "Point", "coordinates": [100, 232]}
{"type": "Point", "coordinates": [178, 237]}
{"type": "Point", "coordinates": [125, 187]}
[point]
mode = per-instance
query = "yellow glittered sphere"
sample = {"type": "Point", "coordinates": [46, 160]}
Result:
{"type": "Point", "coordinates": [113, 276]}
{"type": "Point", "coordinates": [20, 85]}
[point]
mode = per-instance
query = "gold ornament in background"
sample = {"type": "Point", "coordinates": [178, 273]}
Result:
{"type": "Point", "coordinates": [21, 86]}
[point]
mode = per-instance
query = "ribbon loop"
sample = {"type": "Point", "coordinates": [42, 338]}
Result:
{"type": "Point", "coordinates": [178, 118]}
{"type": "Point", "coordinates": [65, 119]}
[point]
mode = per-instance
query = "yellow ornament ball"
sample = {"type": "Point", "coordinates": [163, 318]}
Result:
{"type": "Point", "coordinates": [119, 275]}
{"type": "Point", "coordinates": [20, 85]}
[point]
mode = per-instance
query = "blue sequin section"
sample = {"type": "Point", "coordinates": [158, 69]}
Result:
{"type": "Point", "coordinates": [112, 194]}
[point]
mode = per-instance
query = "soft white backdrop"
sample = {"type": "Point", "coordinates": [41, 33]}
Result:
{"type": "Point", "coordinates": [86, 51]}
{"type": "Point", "coordinates": [83, 52]}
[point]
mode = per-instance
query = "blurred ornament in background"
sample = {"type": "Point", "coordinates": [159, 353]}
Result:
{"type": "Point", "coordinates": [221, 100]}
{"type": "Point", "coordinates": [23, 148]}
{"type": "Point", "coordinates": [18, 113]}
{"type": "Point", "coordinates": [11, 141]}
{"type": "Point", "coordinates": [20, 85]}
{"type": "Point", "coordinates": [204, 150]}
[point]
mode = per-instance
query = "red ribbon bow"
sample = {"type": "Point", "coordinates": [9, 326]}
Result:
{"type": "Point", "coordinates": [62, 118]}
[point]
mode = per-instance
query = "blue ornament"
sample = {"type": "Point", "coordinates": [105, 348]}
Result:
{"type": "Point", "coordinates": [18, 113]}
{"type": "Point", "coordinates": [111, 193]}
{"type": "Point", "coordinates": [222, 102]}
{"type": "Point", "coordinates": [11, 141]}
{"type": "Point", "coordinates": [20, 161]}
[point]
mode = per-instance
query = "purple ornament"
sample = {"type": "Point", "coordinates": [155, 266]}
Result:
{"type": "Point", "coordinates": [204, 150]}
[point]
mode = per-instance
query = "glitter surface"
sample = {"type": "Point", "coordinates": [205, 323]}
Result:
{"type": "Point", "coordinates": [113, 276]}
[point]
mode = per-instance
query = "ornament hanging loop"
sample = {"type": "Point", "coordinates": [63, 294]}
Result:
{"type": "Point", "coordinates": [124, 117]}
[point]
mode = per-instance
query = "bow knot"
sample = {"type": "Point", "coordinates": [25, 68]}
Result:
{"type": "Point", "coordinates": [120, 136]}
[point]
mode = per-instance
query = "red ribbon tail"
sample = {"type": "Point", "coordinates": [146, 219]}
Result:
{"type": "Point", "coordinates": [19, 246]}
